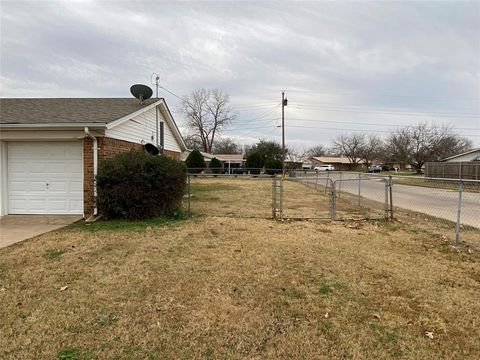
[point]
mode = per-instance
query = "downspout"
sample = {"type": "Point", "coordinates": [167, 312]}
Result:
{"type": "Point", "coordinates": [95, 167]}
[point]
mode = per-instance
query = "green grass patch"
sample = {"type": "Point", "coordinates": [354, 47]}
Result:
{"type": "Point", "coordinates": [327, 330]}
{"type": "Point", "coordinates": [196, 188]}
{"type": "Point", "coordinates": [71, 353]}
{"type": "Point", "coordinates": [126, 225]}
{"type": "Point", "coordinates": [326, 288]}
{"type": "Point", "coordinates": [54, 254]}
{"type": "Point", "coordinates": [108, 319]}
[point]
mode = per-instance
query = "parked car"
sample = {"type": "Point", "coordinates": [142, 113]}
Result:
{"type": "Point", "coordinates": [374, 169]}
{"type": "Point", "coordinates": [387, 168]}
{"type": "Point", "coordinates": [324, 167]}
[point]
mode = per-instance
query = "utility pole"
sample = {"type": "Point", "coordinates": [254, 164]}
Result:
{"type": "Point", "coordinates": [284, 103]}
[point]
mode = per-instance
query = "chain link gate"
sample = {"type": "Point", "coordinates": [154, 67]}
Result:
{"type": "Point", "coordinates": [332, 196]}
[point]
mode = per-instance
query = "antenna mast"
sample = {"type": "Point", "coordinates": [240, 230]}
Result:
{"type": "Point", "coordinates": [157, 82]}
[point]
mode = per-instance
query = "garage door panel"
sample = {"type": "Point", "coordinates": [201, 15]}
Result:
{"type": "Point", "coordinates": [45, 178]}
{"type": "Point", "coordinates": [75, 186]}
{"type": "Point", "coordinates": [55, 187]}
{"type": "Point", "coordinates": [16, 204]}
{"type": "Point", "coordinates": [18, 186]}
{"type": "Point", "coordinates": [38, 187]}
{"type": "Point", "coordinates": [57, 205]}
{"type": "Point", "coordinates": [76, 205]}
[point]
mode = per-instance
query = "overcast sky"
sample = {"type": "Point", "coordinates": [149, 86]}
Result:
{"type": "Point", "coordinates": [345, 66]}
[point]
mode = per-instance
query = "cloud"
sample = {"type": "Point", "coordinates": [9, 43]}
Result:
{"type": "Point", "coordinates": [349, 54]}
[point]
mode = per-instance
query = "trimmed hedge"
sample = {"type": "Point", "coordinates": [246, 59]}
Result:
{"type": "Point", "coordinates": [216, 166]}
{"type": "Point", "coordinates": [195, 162]}
{"type": "Point", "coordinates": [273, 166]}
{"type": "Point", "coordinates": [254, 162]}
{"type": "Point", "coordinates": [137, 185]}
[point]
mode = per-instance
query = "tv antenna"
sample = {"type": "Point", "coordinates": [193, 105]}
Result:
{"type": "Point", "coordinates": [156, 83]}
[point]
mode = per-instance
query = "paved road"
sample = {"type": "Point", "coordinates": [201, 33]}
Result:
{"type": "Point", "coordinates": [435, 202]}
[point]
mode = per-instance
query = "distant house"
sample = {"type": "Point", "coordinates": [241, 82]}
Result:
{"type": "Point", "coordinates": [468, 156]}
{"type": "Point", "coordinates": [50, 149]}
{"type": "Point", "coordinates": [206, 156]}
{"type": "Point", "coordinates": [229, 161]}
{"type": "Point", "coordinates": [461, 166]}
{"type": "Point", "coordinates": [307, 165]}
{"type": "Point", "coordinates": [340, 163]}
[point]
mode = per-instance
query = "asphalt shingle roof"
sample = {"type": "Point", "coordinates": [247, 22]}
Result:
{"type": "Point", "coordinates": [68, 111]}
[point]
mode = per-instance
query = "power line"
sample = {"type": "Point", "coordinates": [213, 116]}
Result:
{"type": "Point", "coordinates": [385, 95]}
{"type": "Point", "coordinates": [321, 105]}
{"type": "Point", "coordinates": [415, 114]}
{"type": "Point", "coordinates": [240, 107]}
{"type": "Point", "coordinates": [371, 124]}
{"type": "Point", "coordinates": [170, 92]}
{"type": "Point", "coordinates": [355, 130]}
{"type": "Point", "coordinates": [355, 123]}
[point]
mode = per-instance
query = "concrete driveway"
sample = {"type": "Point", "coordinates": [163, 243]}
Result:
{"type": "Point", "coordinates": [15, 228]}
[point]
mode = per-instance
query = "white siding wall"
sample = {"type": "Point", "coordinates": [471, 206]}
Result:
{"type": "Point", "coordinates": [3, 178]}
{"type": "Point", "coordinates": [142, 128]}
{"type": "Point", "coordinates": [465, 158]}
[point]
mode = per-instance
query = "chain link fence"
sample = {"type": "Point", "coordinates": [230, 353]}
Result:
{"type": "Point", "coordinates": [453, 205]}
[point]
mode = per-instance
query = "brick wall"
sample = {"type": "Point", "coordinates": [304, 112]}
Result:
{"type": "Point", "coordinates": [88, 203]}
{"type": "Point", "coordinates": [107, 147]}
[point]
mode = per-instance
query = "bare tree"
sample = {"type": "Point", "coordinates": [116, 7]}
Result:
{"type": "Point", "coordinates": [226, 146]}
{"type": "Point", "coordinates": [207, 113]}
{"type": "Point", "coordinates": [398, 147]}
{"type": "Point", "coordinates": [371, 149]}
{"type": "Point", "coordinates": [350, 146]}
{"type": "Point", "coordinates": [295, 155]}
{"type": "Point", "coordinates": [421, 143]}
{"type": "Point", "coordinates": [317, 150]}
{"type": "Point", "coordinates": [193, 142]}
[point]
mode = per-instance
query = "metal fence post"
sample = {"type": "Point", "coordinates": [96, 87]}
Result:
{"type": "Point", "coordinates": [391, 196]}
{"type": "Point", "coordinates": [326, 181]}
{"type": "Point", "coordinates": [189, 197]}
{"type": "Point", "coordinates": [316, 181]}
{"type": "Point", "coordinates": [359, 189]}
{"type": "Point", "coordinates": [386, 200]}
{"type": "Point", "coordinates": [459, 211]}
{"type": "Point", "coordinates": [333, 197]}
{"type": "Point", "coordinates": [281, 197]}
{"type": "Point", "coordinates": [340, 185]}
{"type": "Point", "coordinates": [274, 197]}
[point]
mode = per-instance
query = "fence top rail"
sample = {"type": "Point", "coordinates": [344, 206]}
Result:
{"type": "Point", "coordinates": [412, 177]}
{"type": "Point", "coordinates": [367, 178]}
{"type": "Point", "coordinates": [208, 175]}
{"type": "Point", "coordinates": [453, 180]}
{"type": "Point", "coordinates": [321, 176]}
{"type": "Point", "coordinates": [452, 163]}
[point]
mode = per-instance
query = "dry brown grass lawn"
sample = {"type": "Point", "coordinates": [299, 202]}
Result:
{"type": "Point", "coordinates": [243, 288]}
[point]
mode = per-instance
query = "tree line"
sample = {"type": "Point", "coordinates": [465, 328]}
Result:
{"type": "Point", "coordinates": [208, 112]}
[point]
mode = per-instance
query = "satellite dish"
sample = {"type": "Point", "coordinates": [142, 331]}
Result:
{"type": "Point", "coordinates": [141, 92]}
{"type": "Point", "coordinates": [151, 149]}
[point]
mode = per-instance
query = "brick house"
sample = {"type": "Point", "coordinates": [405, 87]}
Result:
{"type": "Point", "coordinates": [50, 148]}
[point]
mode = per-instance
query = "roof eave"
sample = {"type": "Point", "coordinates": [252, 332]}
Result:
{"type": "Point", "coordinates": [462, 154]}
{"type": "Point", "coordinates": [53, 126]}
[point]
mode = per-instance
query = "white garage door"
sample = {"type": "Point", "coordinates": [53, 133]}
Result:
{"type": "Point", "coordinates": [45, 178]}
